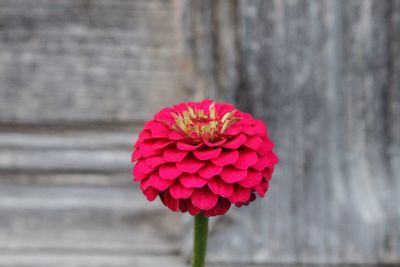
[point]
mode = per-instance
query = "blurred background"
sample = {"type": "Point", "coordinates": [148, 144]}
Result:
{"type": "Point", "coordinates": [79, 77]}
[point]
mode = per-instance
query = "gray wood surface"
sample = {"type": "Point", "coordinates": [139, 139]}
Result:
{"type": "Point", "coordinates": [78, 77]}
{"type": "Point", "coordinates": [325, 77]}
{"type": "Point", "coordinates": [70, 60]}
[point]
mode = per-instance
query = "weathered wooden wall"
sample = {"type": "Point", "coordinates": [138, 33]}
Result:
{"type": "Point", "coordinates": [78, 76]}
{"type": "Point", "coordinates": [325, 75]}
{"type": "Point", "coordinates": [76, 79]}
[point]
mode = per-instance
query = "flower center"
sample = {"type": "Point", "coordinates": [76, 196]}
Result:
{"type": "Point", "coordinates": [196, 123]}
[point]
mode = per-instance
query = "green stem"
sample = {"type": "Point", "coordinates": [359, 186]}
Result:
{"type": "Point", "coordinates": [200, 240]}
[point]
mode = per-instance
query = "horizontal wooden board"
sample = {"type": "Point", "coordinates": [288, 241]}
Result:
{"type": "Point", "coordinates": [72, 219]}
{"type": "Point", "coordinates": [68, 61]}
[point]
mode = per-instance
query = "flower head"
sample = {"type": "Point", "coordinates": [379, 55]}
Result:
{"type": "Point", "coordinates": [203, 157]}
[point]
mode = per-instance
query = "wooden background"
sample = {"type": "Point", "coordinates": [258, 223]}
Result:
{"type": "Point", "coordinates": [79, 77]}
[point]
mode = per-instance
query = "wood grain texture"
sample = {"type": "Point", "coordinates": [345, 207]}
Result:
{"type": "Point", "coordinates": [76, 219]}
{"type": "Point", "coordinates": [83, 60]}
{"type": "Point", "coordinates": [324, 75]}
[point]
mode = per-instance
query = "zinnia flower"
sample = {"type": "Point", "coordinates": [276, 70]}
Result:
{"type": "Point", "coordinates": [201, 157]}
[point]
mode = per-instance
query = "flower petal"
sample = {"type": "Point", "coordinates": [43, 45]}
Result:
{"type": "Point", "coordinates": [179, 191]}
{"type": "Point", "coordinates": [169, 201]}
{"type": "Point", "coordinates": [261, 188]}
{"type": "Point", "coordinates": [151, 193]}
{"type": "Point", "coordinates": [159, 183]}
{"type": "Point", "coordinates": [211, 144]}
{"type": "Point", "coordinates": [235, 142]}
{"type": "Point", "coordinates": [226, 157]}
{"type": "Point", "coordinates": [231, 174]}
{"type": "Point", "coordinates": [158, 129]}
{"type": "Point", "coordinates": [204, 199]}
{"type": "Point", "coordinates": [174, 135]}
{"type": "Point", "coordinates": [240, 194]}
{"type": "Point", "coordinates": [207, 154]}
{"type": "Point", "coordinates": [209, 170]}
{"type": "Point", "coordinates": [190, 165]}
{"type": "Point", "coordinates": [160, 144]}
{"type": "Point", "coordinates": [220, 208]}
{"type": "Point", "coordinates": [252, 179]}
{"type": "Point", "coordinates": [253, 142]}
{"type": "Point", "coordinates": [261, 163]}
{"type": "Point", "coordinates": [142, 167]}
{"type": "Point", "coordinates": [234, 129]}
{"type": "Point", "coordinates": [219, 187]}
{"type": "Point", "coordinates": [192, 180]}
{"type": "Point", "coordinates": [138, 175]}
{"type": "Point", "coordinates": [169, 171]}
{"type": "Point", "coordinates": [186, 146]}
{"type": "Point", "coordinates": [135, 155]}
{"type": "Point", "coordinates": [260, 127]}
{"type": "Point", "coordinates": [154, 161]}
{"type": "Point", "coordinates": [174, 155]}
{"type": "Point", "coordinates": [247, 158]}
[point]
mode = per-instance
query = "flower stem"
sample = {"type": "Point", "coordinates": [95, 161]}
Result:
{"type": "Point", "coordinates": [200, 240]}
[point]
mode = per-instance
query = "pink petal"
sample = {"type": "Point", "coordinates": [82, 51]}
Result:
{"type": "Point", "coordinates": [261, 163]}
{"type": "Point", "coordinates": [274, 158]}
{"type": "Point", "coordinates": [159, 183]}
{"type": "Point", "coordinates": [186, 146]}
{"type": "Point", "coordinates": [174, 135]}
{"type": "Point", "coordinates": [165, 116]}
{"type": "Point", "coordinates": [234, 129]}
{"type": "Point", "coordinates": [260, 128]}
{"type": "Point", "coordinates": [207, 154]}
{"type": "Point", "coordinates": [204, 199]}
{"type": "Point", "coordinates": [220, 208]}
{"type": "Point", "coordinates": [235, 142]}
{"type": "Point", "coordinates": [151, 193]}
{"type": "Point", "coordinates": [144, 184]}
{"type": "Point", "coordinates": [174, 155]}
{"type": "Point", "coordinates": [214, 144]}
{"type": "Point", "coordinates": [231, 174]}
{"type": "Point", "coordinates": [135, 155]}
{"type": "Point", "coordinates": [193, 210]}
{"type": "Point", "coordinates": [219, 187]}
{"type": "Point", "coordinates": [205, 104]}
{"type": "Point", "coordinates": [261, 188]}
{"type": "Point", "coordinates": [178, 191]}
{"type": "Point", "coordinates": [190, 165]}
{"type": "Point", "coordinates": [169, 201]}
{"type": "Point", "coordinates": [159, 129]}
{"type": "Point", "coordinates": [146, 149]}
{"type": "Point", "coordinates": [240, 194]}
{"type": "Point", "coordinates": [138, 175]}
{"type": "Point", "coordinates": [141, 166]}
{"type": "Point", "coordinates": [154, 161]}
{"type": "Point", "coordinates": [192, 180]}
{"type": "Point", "coordinates": [265, 147]}
{"type": "Point", "coordinates": [252, 179]}
{"type": "Point", "coordinates": [209, 170]}
{"type": "Point", "coordinates": [253, 142]}
{"type": "Point", "coordinates": [246, 159]}
{"type": "Point", "coordinates": [169, 171]}
{"type": "Point", "coordinates": [160, 144]}
{"type": "Point", "coordinates": [143, 135]}
{"type": "Point", "coordinates": [226, 157]}
{"type": "Point", "coordinates": [267, 174]}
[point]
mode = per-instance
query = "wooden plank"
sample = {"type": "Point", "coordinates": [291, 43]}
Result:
{"type": "Point", "coordinates": [71, 219]}
{"type": "Point", "coordinates": [91, 260]}
{"type": "Point", "coordinates": [69, 151]}
{"type": "Point", "coordinates": [77, 61]}
{"type": "Point", "coordinates": [325, 77]}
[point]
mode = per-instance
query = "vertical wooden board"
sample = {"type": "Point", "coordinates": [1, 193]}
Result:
{"type": "Point", "coordinates": [79, 60]}
{"type": "Point", "coordinates": [324, 75]}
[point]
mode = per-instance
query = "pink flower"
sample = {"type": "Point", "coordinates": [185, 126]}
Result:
{"type": "Point", "coordinates": [202, 157]}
